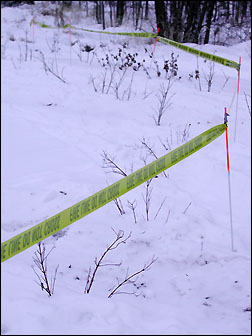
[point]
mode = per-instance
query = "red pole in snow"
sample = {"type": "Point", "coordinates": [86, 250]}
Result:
{"type": "Point", "coordinates": [229, 185]}
{"type": "Point", "coordinates": [155, 42]}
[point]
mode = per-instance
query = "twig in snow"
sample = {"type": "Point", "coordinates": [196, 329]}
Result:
{"type": "Point", "coordinates": [187, 208]}
{"type": "Point", "coordinates": [98, 263]}
{"type": "Point", "coordinates": [151, 152]}
{"type": "Point", "coordinates": [247, 102]}
{"type": "Point", "coordinates": [163, 101]}
{"type": "Point", "coordinates": [50, 69]}
{"type": "Point", "coordinates": [166, 221]}
{"type": "Point", "coordinates": [109, 162]}
{"type": "Point", "coordinates": [147, 198]}
{"type": "Point", "coordinates": [40, 261]}
{"type": "Point", "coordinates": [128, 278]}
{"type": "Point", "coordinates": [132, 206]}
{"type": "Point", "coordinates": [160, 207]}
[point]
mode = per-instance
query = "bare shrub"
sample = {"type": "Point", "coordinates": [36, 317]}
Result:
{"type": "Point", "coordinates": [40, 261]}
{"type": "Point", "coordinates": [53, 69]}
{"type": "Point", "coordinates": [226, 79]}
{"type": "Point", "coordinates": [183, 136]}
{"type": "Point", "coordinates": [209, 76]}
{"type": "Point", "coordinates": [164, 101]}
{"type": "Point", "coordinates": [115, 69]}
{"type": "Point", "coordinates": [109, 163]}
{"type": "Point", "coordinates": [99, 263]}
{"type": "Point", "coordinates": [54, 44]}
{"type": "Point", "coordinates": [171, 66]}
{"type": "Point", "coordinates": [132, 206]}
{"type": "Point", "coordinates": [147, 198]}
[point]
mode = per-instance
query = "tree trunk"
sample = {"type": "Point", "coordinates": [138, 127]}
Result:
{"type": "Point", "coordinates": [111, 13]}
{"type": "Point", "coordinates": [228, 9]}
{"type": "Point", "coordinates": [176, 23]}
{"type": "Point", "coordinates": [119, 12]}
{"type": "Point", "coordinates": [138, 9]}
{"type": "Point", "coordinates": [211, 5]}
{"type": "Point", "coordinates": [161, 18]}
{"type": "Point", "coordinates": [98, 11]}
{"type": "Point", "coordinates": [146, 14]}
{"type": "Point", "coordinates": [244, 10]}
{"type": "Point", "coordinates": [192, 13]}
{"type": "Point", "coordinates": [133, 11]}
{"type": "Point", "coordinates": [102, 15]}
{"type": "Point", "coordinates": [201, 19]}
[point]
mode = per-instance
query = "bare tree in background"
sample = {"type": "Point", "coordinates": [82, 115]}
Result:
{"type": "Point", "coordinates": [119, 12]}
{"type": "Point", "coordinates": [211, 5]}
{"type": "Point", "coordinates": [161, 18]}
{"type": "Point", "coordinates": [180, 20]}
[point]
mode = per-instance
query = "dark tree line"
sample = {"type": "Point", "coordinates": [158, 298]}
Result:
{"type": "Point", "coordinates": [182, 21]}
{"type": "Point", "coordinates": [191, 21]}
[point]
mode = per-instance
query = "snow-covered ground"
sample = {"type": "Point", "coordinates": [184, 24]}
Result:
{"type": "Point", "coordinates": [53, 135]}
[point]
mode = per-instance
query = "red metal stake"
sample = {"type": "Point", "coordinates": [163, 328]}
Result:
{"type": "Point", "coordinates": [229, 185]}
{"type": "Point", "coordinates": [155, 42]}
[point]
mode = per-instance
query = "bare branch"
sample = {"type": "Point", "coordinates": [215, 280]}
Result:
{"type": "Point", "coordinates": [147, 198]}
{"type": "Point", "coordinates": [50, 69]}
{"type": "Point", "coordinates": [54, 279]}
{"type": "Point", "coordinates": [118, 241]}
{"type": "Point", "coordinates": [166, 221]}
{"type": "Point", "coordinates": [226, 79]}
{"type": "Point", "coordinates": [109, 162]}
{"type": "Point", "coordinates": [151, 152]}
{"type": "Point", "coordinates": [119, 206]}
{"type": "Point", "coordinates": [247, 102]}
{"type": "Point", "coordinates": [132, 206]}
{"type": "Point", "coordinates": [163, 101]}
{"type": "Point", "coordinates": [160, 207]}
{"type": "Point", "coordinates": [209, 77]}
{"type": "Point", "coordinates": [88, 280]}
{"type": "Point", "coordinates": [166, 146]}
{"type": "Point", "coordinates": [93, 82]}
{"type": "Point", "coordinates": [128, 278]}
{"type": "Point", "coordinates": [187, 208]}
{"type": "Point", "coordinates": [40, 261]}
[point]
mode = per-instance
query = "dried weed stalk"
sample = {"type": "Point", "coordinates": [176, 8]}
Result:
{"type": "Point", "coordinates": [40, 261]}
{"type": "Point", "coordinates": [99, 263]}
{"type": "Point", "coordinates": [128, 278]}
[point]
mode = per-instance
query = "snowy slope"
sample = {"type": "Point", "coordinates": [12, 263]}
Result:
{"type": "Point", "coordinates": [53, 135]}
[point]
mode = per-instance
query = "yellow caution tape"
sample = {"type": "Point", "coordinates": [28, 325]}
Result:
{"type": "Point", "coordinates": [199, 53]}
{"type": "Point", "coordinates": [94, 31]}
{"type": "Point", "coordinates": [191, 50]}
{"type": "Point", "coordinates": [66, 217]}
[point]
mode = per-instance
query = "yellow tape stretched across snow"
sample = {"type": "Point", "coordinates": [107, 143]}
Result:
{"type": "Point", "coordinates": [190, 50]}
{"type": "Point", "coordinates": [66, 217]}
{"type": "Point", "coordinates": [211, 57]}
